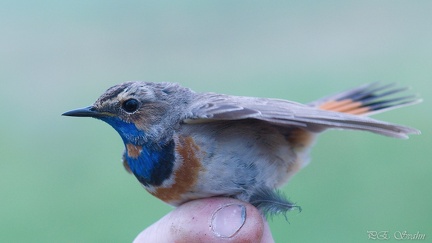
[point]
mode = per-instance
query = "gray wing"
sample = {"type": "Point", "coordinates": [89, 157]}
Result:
{"type": "Point", "coordinates": [209, 107]}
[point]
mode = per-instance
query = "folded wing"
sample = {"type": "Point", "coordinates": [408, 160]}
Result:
{"type": "Point", "coordinates": [208, 107]}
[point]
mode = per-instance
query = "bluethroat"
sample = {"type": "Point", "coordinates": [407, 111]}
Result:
{"type": "Point", "coordinates": [182, 145]}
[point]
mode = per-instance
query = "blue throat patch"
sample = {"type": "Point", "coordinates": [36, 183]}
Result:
{"type": "Point", "coordinates": [154, 164]}
{"type": "Point", "coordinates": [128, 131]}
{"type": "Point", "coordinates": [156, 160]}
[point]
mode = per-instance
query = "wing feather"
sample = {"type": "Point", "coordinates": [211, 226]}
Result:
{"type": "Point", "coordinates": [210, 107]}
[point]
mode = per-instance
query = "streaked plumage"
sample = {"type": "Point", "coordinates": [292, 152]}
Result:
{"type": "Point", "coordinates": [183, 145]}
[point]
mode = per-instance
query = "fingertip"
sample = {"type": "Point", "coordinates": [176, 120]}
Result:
{"type": "Point", "coordinates": [267, 236]}
{"type": "Point", "coordinates": [227, 220]}
{"type": "Point", "coordinates": [210, 220]}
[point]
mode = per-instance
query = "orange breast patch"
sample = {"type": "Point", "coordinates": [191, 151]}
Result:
{"type": "Point", "coordinates": [133, 151]}
{"type": "Point", "coordinates": [186, 175]}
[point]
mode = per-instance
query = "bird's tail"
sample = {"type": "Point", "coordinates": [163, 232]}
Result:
{"type": "Point", "coordinates": [272, 202]}
{"type": "Point", "coordinates": [367, 99]}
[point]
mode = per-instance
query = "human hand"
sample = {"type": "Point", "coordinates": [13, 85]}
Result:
{"type": "Point", "coordinates": [215, 219]}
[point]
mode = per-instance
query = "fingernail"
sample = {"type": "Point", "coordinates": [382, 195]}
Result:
{"type": "Point", "coordinates": [228, 220]}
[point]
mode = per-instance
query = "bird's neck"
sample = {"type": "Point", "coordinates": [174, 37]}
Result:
{"type": "Point", "coordinates": [151, 160]}
{"type": "Point", "coordinates": [151, 163]}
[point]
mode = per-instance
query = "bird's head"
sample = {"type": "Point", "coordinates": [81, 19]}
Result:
{"type": "Point", "coordinates": [139, 111]}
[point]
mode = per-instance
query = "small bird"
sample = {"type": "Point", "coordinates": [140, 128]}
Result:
{"type": "Point", "coordinates": [183, 145]}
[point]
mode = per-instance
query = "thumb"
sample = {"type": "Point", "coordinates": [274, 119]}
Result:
{"type": "Point", "coordinates": [209, 220]}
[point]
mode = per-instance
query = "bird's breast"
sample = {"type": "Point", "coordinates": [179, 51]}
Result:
{"type": "Point", "coordinates": [185, 176]}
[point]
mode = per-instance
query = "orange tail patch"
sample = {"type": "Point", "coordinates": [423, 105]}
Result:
{"type": "Point", "coordinates": [366, 100]}
{"type": "Point", "coordinates": [346, 106]}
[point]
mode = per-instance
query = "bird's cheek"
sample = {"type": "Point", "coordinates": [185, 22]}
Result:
{"type": "Point", "coordinates": [141, 122]}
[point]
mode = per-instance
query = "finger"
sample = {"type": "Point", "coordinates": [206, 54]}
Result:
{"type": "Point", "coordinates": [209, 220]}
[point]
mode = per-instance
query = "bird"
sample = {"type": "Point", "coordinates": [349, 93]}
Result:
{"type": "Point", "coordinates": [183, 145]}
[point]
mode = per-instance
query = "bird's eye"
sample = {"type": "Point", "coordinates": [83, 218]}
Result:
{"type": "Point", "coordinates": [130, 105]}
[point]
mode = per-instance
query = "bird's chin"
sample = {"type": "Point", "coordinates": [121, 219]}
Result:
{"type": "Point", "coordinates": [127, 130]}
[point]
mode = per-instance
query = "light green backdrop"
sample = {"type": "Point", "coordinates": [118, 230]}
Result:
{"type": "Point", "coordinates": [61, 179]}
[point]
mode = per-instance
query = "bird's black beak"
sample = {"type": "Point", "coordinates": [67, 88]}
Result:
{"type": "Point", "coordinates": [89, 111]}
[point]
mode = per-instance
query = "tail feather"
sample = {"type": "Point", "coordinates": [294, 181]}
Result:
{"type": "Point", "coordinates": [271, 202]}
{"type": "Point", "coordinates": [367, 99]}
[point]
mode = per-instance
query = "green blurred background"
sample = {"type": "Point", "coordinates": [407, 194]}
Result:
{"type": "Point", "coordinates": [61, 179]}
